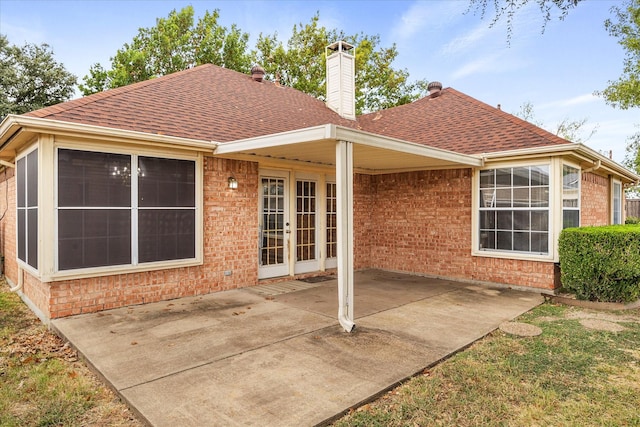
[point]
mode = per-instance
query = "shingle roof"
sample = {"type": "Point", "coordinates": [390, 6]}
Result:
{"type": "Point", "coordinates": [207, 103]}
{"type": "Point", "coordinates": [457, 122]}
{"type": "Point", "coordinates": [216, 104]}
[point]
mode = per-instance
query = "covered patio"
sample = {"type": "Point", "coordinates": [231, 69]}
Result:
{"type": "Point", "coordinates": [349, 151]}
{"type": "Point", "coordinates": [274, 355]}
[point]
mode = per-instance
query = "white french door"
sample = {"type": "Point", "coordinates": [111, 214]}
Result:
{"type": "Point", "coordinates": [331, 227]}
{"type": "Point", "coordinates": [306, 226]}
{"type": "Point", "coordinates": [274, 225]}
{"type": "Point", "coordinates": [304, 241]}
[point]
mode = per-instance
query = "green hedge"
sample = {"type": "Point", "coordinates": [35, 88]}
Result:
{"type": "Point", "coordinates": [601, 263]}
{"type": "Point", "coordinates": [632, 220]}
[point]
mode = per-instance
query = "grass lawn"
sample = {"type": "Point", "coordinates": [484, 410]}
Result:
{"type": "Point", "coordinates": [583, 370]}
{"type": "Point", "coordinates": [42, 382]}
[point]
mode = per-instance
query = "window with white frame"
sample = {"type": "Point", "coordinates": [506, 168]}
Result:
{"type": "Point", "coordinates": [570, 197]}
{"type": "Point", "coordinates": [514, 209]}
{"type": "Point", "coordinates": [123, 209]}
{"type": "Point", "coordinates": [27, 208]}
{"type": "Point", "coordinates": [616, 203]}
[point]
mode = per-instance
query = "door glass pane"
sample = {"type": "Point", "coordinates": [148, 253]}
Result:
{"type": "Point", "coordinates": [332, 231]}
{"type": "Point", "coordinates": [306, 220]}
{"type": "Point", "coordinates": [272, 236]}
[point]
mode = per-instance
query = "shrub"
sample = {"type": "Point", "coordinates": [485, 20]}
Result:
{"type": "Point", "coordinates": [632, 220]}
{"type": "Point", "coordinates": [601, 263]}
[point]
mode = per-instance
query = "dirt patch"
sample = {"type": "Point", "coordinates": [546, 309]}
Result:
{"type": "Point", "coordinates": [520, 329]}
{"type": "Point", "coordinates": [548, 318]}
{"type": "Point", "coordinates": [609, 317]}
{"type": "Point", "coordinates": [602, 325]}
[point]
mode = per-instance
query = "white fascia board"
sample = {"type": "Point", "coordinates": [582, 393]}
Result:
{"type": "Point", "coordinates": [387, 143]}
{"type": "Point", "coordinates": [572, 148]}
{"type": "Point", "coordinates": [311, 134]}
{"type": "Point", "coordinates": [36, 124]}
{"type": "Point", "coordinates": [334, 132]}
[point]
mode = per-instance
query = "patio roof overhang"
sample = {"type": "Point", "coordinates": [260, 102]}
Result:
{"type": "Point", "coordinates": [372, 154]}
{"type": "Point", "coordinates": [348, 151]}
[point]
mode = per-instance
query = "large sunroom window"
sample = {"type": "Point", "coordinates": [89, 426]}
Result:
{"type": "Point", "coordinates": [123, 209]}
{"type": "Point", "coordinates": [27, 208]}
{"type": "Point", "coordinates": [514, 209]}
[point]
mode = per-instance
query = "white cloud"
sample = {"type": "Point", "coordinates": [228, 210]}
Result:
{"type": "Point", "coordinates": [466, 41]}
{"type": "Point", "coordinates": [426, 15]}
{"type": "Point", "coordinates": [496, 63]}
{"type": "Point", "coordinates": [19, 35]}
{"type": "Point", "coordinates": [572, 102]}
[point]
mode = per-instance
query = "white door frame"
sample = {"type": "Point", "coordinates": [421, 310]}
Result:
{"type": "Point", "coordinates": [282, 233]}
{"type": "Point", "coordinates": [306, 266]}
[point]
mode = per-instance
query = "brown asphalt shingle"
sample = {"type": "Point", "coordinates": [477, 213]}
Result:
{"type": "Point", "coordinates": [206, 103]}
{"type": "Point", "coordinates": [216, 104]}
{"type": "Point", "coordinates": [457, 122]}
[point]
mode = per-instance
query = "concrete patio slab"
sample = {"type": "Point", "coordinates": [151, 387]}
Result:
{"type": "Point", "coordinates": [239, 358]}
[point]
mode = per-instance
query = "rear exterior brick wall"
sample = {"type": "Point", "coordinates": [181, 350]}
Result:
{"type": "Point", "coordinates": [230, 243]}
{"type": "Point", "coordinates": [416, 222]}
{"type": "Point", "coordinates": [594, 200]}
{"type": "Point", "coordinates": [421, 223]}
{"type": "Point", "coordinates": [8, 223]}
{"type": "Point", "coordinates": [363, 200]}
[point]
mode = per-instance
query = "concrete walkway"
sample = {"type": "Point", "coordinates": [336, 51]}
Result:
{"type": "Point", "coordinates": [276, 356]}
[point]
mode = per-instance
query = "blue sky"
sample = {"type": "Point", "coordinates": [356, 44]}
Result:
{"type": "Point", "coordinates": [557, 72]}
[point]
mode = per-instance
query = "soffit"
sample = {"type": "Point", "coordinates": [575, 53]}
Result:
{"type": "Point", "coordinates": [372, 154]}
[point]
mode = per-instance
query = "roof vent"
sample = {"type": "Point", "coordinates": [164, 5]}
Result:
{"type": "Point", "coordinates": [257, 73]}
{"type": "Point", "coordinates": [434, 87]}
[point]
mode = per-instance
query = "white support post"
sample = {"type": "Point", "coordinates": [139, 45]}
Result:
{"type": "Point", "coordinates": [344, 187]}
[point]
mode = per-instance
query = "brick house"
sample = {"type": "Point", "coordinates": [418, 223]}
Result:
{"type": "Point", "coordinates": [209, 179]}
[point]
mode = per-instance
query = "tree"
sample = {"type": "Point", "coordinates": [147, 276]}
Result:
{"type": "Point", "coordinates": [30, 78]}
{"type": "Point", "coordinates": [302, 63]}
{"type": "Point", "coordinates": [632, 156]}
{"type": "Point", "coordinates": [506, 9]}
{"type": "Point", "coordinates": [624, 93]}
{"type": "Point", "coordinates": [571, 130]}
{"type": "Point", "coordinates": [632, 161]}
{"type": "Point", "coordinates": [174, 44]}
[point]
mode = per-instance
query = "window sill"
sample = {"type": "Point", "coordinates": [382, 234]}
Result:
{"type": "Point", "coordinates": [513, 255]}
{"type": "Point", "coordinates": [85, 273]}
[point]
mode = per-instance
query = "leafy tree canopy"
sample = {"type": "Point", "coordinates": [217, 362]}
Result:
{"type": "Point", "coordinates": [632, 157]}
{"type": "Point", "coordinates": [30, 78]}
{"type": "Point", "coordinates": [177, 43]}
{"type": "Point", "coordinates": [301, 64]}
{"type": "Point", "coordinates": [174, 44]}
{"type": "Point", "coordinates": [625, 92]}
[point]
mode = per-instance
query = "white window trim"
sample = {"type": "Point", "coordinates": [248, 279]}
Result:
{"type": "Point", "coordinates": [22, 264]}
{"type": "Point", "coordinates": [579, 208]}
{"type": "Point", "coordinates": [57, 275]}
{"type": "Point", "coordinates": [555, 167]}
{"type": "Point", "coordinates": [615, 182]}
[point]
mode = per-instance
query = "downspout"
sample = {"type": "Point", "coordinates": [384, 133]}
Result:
{"type": "Point", "coordinates": [595, 167]}
{"type": "Point", "coordinates": [18, 287]}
